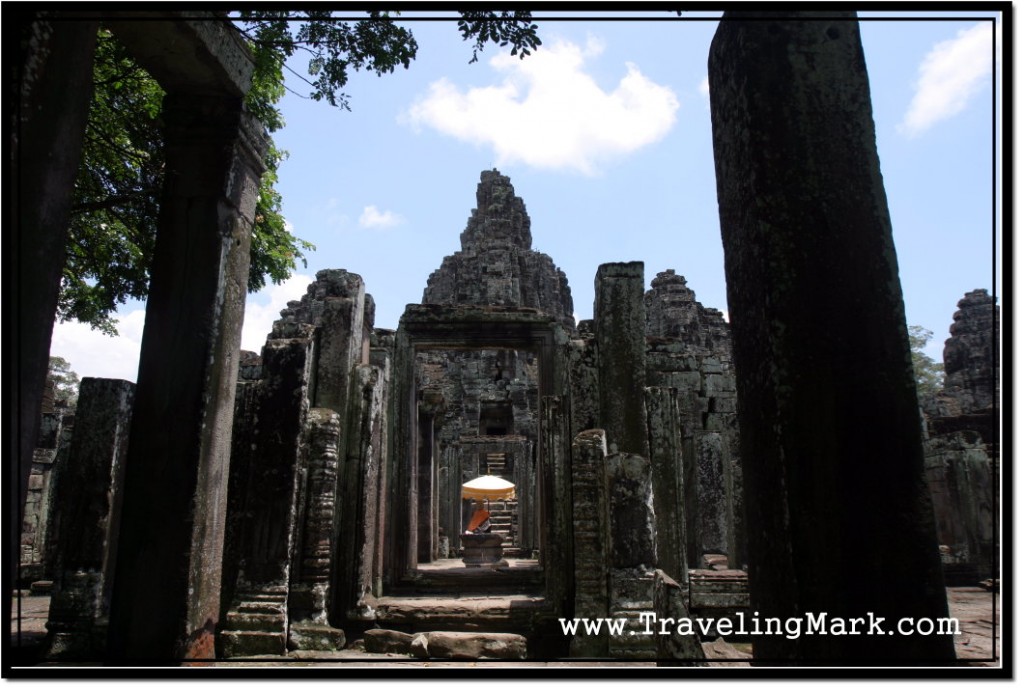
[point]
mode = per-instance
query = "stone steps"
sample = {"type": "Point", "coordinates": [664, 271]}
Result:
{"type": "Point", "coordinates": [504, 520]}
{"type": "Point", "coordinates": [516, 579]}
{"type": "Point", "coordinates": [497, 613]}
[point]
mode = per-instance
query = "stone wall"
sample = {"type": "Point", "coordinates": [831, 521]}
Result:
{"type": "Point", "coordinates": [689, 351]}
{"type": "Point", "coordinates": [962, 445]}
{"type": "Point", "coordinates": [37, 534]}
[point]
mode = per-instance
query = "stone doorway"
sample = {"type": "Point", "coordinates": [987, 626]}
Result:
{"type": "Point", "coordinates": [427, 474]}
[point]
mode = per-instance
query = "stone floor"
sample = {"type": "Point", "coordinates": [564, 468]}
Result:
{"type": "Point", "coordinates": [976, 645]}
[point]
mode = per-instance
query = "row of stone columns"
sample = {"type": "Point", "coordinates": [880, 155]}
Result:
{"type": "Point", "coordinates": [831, 440]}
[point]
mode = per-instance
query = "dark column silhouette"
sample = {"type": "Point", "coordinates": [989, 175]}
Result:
{"type": "Point", "coordinates": [53, 86]}
{"type": "Point", "coordinates": [839, 516]}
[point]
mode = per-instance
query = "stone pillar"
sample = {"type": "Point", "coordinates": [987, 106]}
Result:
{"type": "Point", "coordinates": [712, 504]}
{"type": "Point", "coordinates": [555, 488]}
{"type": "Point", "coordinates": [667, 481]}
{"type": "Point", "coordinates": [631, 507]}
{"type": "Point", "coordinates": [583, 385]}
{"type": "Point", "coordinates": [381, 359]}
{"type": "Point", "coordinates": [177, 464]}
{"type": "Point", "coordinates": [526, 482]}
{"type": "Point", "coordinates": [244, 448]}
{"type": "Point", "coordinates": [427, 523]}
{"type": "Point", "coordinates": [399, 500]}
{"type": "Point", "coordinates": [53, 71]}
{"type": "Point", "coordinates": [632, 553]}
{"type": "Point", "coordinates": [87, 519]}
{"type": "Point", "coordinates": [619, 317]}
{"type": "Point", "coordinates": [589, 531]}
{"type": "Point", "coordinates": [358, 527]}
{"type": "Point", "coordinates": [256, 622]}
{"type": "Point", "coordinates": [47, 460]}
{"type": "Point", "coordinates": [315, 543]}
{"type": "Point", "coordinates": [341, 337]}
{"type": "Point", "coordinates": [450, 481]}
{"type": "Point", "coordinates": [838, 511]}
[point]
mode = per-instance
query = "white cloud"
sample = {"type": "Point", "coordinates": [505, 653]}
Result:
{"type": "Point", "coordinates": [549, 113]}
{"type": "Point", "coordinates": [94, 354]}
{"type": "Point", "coordinates": [262, 309]}
{"type": "Point", "coordinates": [372, 217]}
{"type": "Point", "coordinates": [953, 72]}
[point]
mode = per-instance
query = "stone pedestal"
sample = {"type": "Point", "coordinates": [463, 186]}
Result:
{"type": "Point", "coordinates": [482, 550]}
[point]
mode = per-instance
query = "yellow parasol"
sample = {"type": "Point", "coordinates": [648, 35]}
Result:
{"type": "Point", "coordinates": [488, 487]}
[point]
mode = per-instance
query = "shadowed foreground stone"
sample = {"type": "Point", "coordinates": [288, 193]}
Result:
{"type": "Point", "coordinates": [839, 513]}
{"type": "Point", "coordinates": [670, 603]}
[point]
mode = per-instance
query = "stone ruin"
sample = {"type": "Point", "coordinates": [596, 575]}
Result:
{"type": "Point", "coordinates": [350, 444]}
{"type": "Point", "coordinates": [962, 442]}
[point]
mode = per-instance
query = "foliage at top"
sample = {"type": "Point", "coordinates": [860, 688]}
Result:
{"type": "Point", "coordinates": [338, 46]}
{"type": "Point", "coordinates": [930, 375]}
{"type": "Point", "coordinates": [115, 206]}
{"type": "Point", "coordinates": [65, 381]}
{"type": "Point", "coordinates": [116, 200]}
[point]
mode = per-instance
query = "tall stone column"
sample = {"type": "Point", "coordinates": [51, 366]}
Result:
{"type": "Point", "coordinates": [590, 542]}
{"type": "Point", "coordinates": [167, 599]}
{"type": "Point", "coordinates": [632, 553]}
{"type": "Point", "coordinates": [838, 510]}
{"type": "Point", "coordinates": [256, 622]}
{"type": "Point", "coordinates": [667, 481]}
{"type": "Point", "coordinates": [53, 73]}
{"type": "Point", "coordinates": [555, 489]}
{"type": "Point", "coordinates": [358, 522]}
{"type": "Point", "coordinates": [427, 524]}
{"type": "Point", "coordinates": [309, 591]}
{"type": "Point", "coordinates": [619, 317]}
{"type": "Point", "coordinates": [87, 512]}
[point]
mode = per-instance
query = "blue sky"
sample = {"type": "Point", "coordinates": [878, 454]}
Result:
{"type": "Point", "coordinates": [605, 133]}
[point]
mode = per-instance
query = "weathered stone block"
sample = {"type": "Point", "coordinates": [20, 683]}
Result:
{"type": "Point", "coordinates": [631, 509]}
{"type": "Point", "coordinates": [418, 646]}
{"type": "Point", "coordinates": [387, 641]}
{"type": "Point", "coordinates": [670, 603]}
{"type": "Point", "coordinates": [474, 646]}
{"type": "Point", "coordinates": [311, 636]}
{"type": "Point", "coordinates": [235, 644]}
